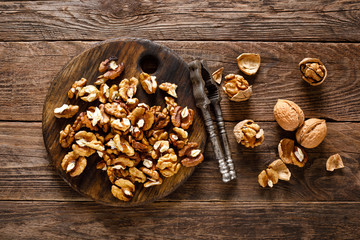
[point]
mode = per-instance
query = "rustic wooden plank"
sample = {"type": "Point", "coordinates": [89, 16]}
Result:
{"type": "Point", "coordinates": [324, 20]}
{"type": "Point", "coordinates": [26, 174]}
{"type": "Point", "coordinates": [28, 69]}
{"type": "Point", "coordinates": [180, 220]}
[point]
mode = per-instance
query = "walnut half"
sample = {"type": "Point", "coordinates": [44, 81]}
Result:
{"type": "Point", "coordinates": [248, 133]}
{"type": "Point", "coordinates": [148, 83]}
{"type": "Point", "coordinates": [237, 88]}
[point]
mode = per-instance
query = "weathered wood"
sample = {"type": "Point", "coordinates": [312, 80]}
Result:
{"type": "Point", "coordinates": [132, 52]}
{"type": "Point", "coordinates": [174, 220]}
{"type": "Point", "coordinates": [324, 20]}
{"type": "Point", "coordinates": [28, 69]}
{"type": "Point", "coordinates": [26, 173]}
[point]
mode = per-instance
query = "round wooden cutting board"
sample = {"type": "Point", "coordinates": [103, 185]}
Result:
{"type": "Point", "coordinates": [138, 55]}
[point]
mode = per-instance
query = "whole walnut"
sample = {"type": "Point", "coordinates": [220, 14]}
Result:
{"type": "Point", "coordinates": [312, 133]}
{"type": "Point", "coordinates": [288, 115]}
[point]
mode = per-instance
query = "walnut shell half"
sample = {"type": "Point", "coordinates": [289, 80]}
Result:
{"type": "Point", "coordinates": [249, 63]}
{"type": "Point", "coordinates": [312, 133]}
{"type": "Point", "coordinates": [288, 115]}
{"type": "Point", "coordinates": [334, 162]}
{"type": "Point", "coordinates": [313, 71]}
{"type": "Point", "coordinates": [248, 133]}
{"type": "Point", "coordinates": [291, 154]}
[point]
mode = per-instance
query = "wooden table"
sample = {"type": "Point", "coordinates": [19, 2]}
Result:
{"type": "Point", "coordinates": [39, 37]}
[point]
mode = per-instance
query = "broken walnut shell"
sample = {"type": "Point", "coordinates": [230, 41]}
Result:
{"type": "Point", "coordinates": [249, 63]}
{"type": "Point", "coordinates": [311, 133]}
{"type": "Point", "coordinates": [237, 88]}
{"type": "Point", "coordinates": [217, 75]}
{"type": "Point", "coordinates": [334, 162]}
{"type": "Point", "coordinates": [248, 133]}
{"type": "Point", "coordinates": [313, 71]}
{"type": "Point", "coordinates": [288, 115]}
{"type": "Point", "coordinates": [292, 154]}
{"type": "Point", "coordinates": [280, 167]}
{"type": "Point", "coordinates": [268, 177]}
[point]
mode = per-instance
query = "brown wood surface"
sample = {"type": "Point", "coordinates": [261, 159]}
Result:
{"type": "Point", "coordinates": [180, 220]}
{"type": "Point", "coordinates": [337, 99]}
{"type": "Point", "coordinates": [131, 52]}
{"type": "Point", "coordinates": [37, 38]}
{"type": "Point", "coordinates": [325, 20]}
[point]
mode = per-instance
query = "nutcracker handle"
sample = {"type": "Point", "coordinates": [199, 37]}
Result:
{"type": "Point", "coordinates": [221, 128]}
{"type": "Point", "coordinates": [223, 167]}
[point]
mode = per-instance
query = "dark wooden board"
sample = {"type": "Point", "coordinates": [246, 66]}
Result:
{"type": "Point", "coordinates": [171, 68]}
{"type": "Point", "coordinates": [180, 220]}
{"type": "Point", "coordinates": [324, 20]}
{"type": "Point", "coordinates": [337, 99]}
{"type": "Point", "coordinates": [24, 166]}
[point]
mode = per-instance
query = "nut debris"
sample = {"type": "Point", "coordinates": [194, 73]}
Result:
{"type": "Point", "coordinates": [334, 162]}
{"type": "Point", "coordinates": [292, 154]}
{"type": "Point", "coordinates": [217, 75]}
{"type": "Point", "coordinates": [248, 63]}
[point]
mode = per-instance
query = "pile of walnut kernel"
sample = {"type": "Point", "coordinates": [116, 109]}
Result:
{"type": "Point", "coordinates": [134, 142]}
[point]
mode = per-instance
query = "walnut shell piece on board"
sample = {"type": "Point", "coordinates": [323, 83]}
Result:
{"type": "Point", "coordinates": [268, 177]}
{"type": "Point", "coordinates": [313, 71]}
{"type": "Point", "coordinates": [280, 167]}
{"type": "Point", "coordinates": [288, 115]}
{"type": "Point", "coordinates": [292, 154]}
{"type": "Point", "coordinates": [311, 133]}
{"type": "Point", "coordinates": [249, 63]}
{"type": "Point", "coordinates": [334, 162]}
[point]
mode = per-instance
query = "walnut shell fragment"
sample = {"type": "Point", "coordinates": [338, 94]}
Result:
{"type": "Point", "coordinates": [248, 133]}
{"type": "Point", "coordinates": [313, 71]}
{"type": "Point", "coordinates": [217, 75]}
{"type": "Point", "coordinates": [249, 63]}
{"type": "Point", "coordinates": [292, 154]}
{"type": "Point", "coordinates": [334, 162]}
{"type": "Point", "coordinates": [268, 177]}
{"type": "Point", "coordinates": [237, 88]}
{"type": "Point", "coordinates": [311, 133]}
{"type": "Point", "coordinates": [280, 167]}
{"type": "Point", "coordinates": [288, 115]}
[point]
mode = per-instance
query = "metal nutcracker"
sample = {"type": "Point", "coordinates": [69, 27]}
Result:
{"type": "Point", "coordinates": [201, 79]}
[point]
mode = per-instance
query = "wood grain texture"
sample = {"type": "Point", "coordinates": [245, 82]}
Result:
{"type": "Point", "coordinates": [324, 20]}
{"type": "Point", "coordinates": [179, 220]}
{"type": "Point", "coordinates": [26, 174]}
{"type": "Point", "coordinates": [34, 65]}
{"type": "Point", "coordinates": [131, 52]}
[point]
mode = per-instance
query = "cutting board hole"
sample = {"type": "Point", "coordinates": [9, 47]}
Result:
{"type": "Point", "coordinates": [149, 63]}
